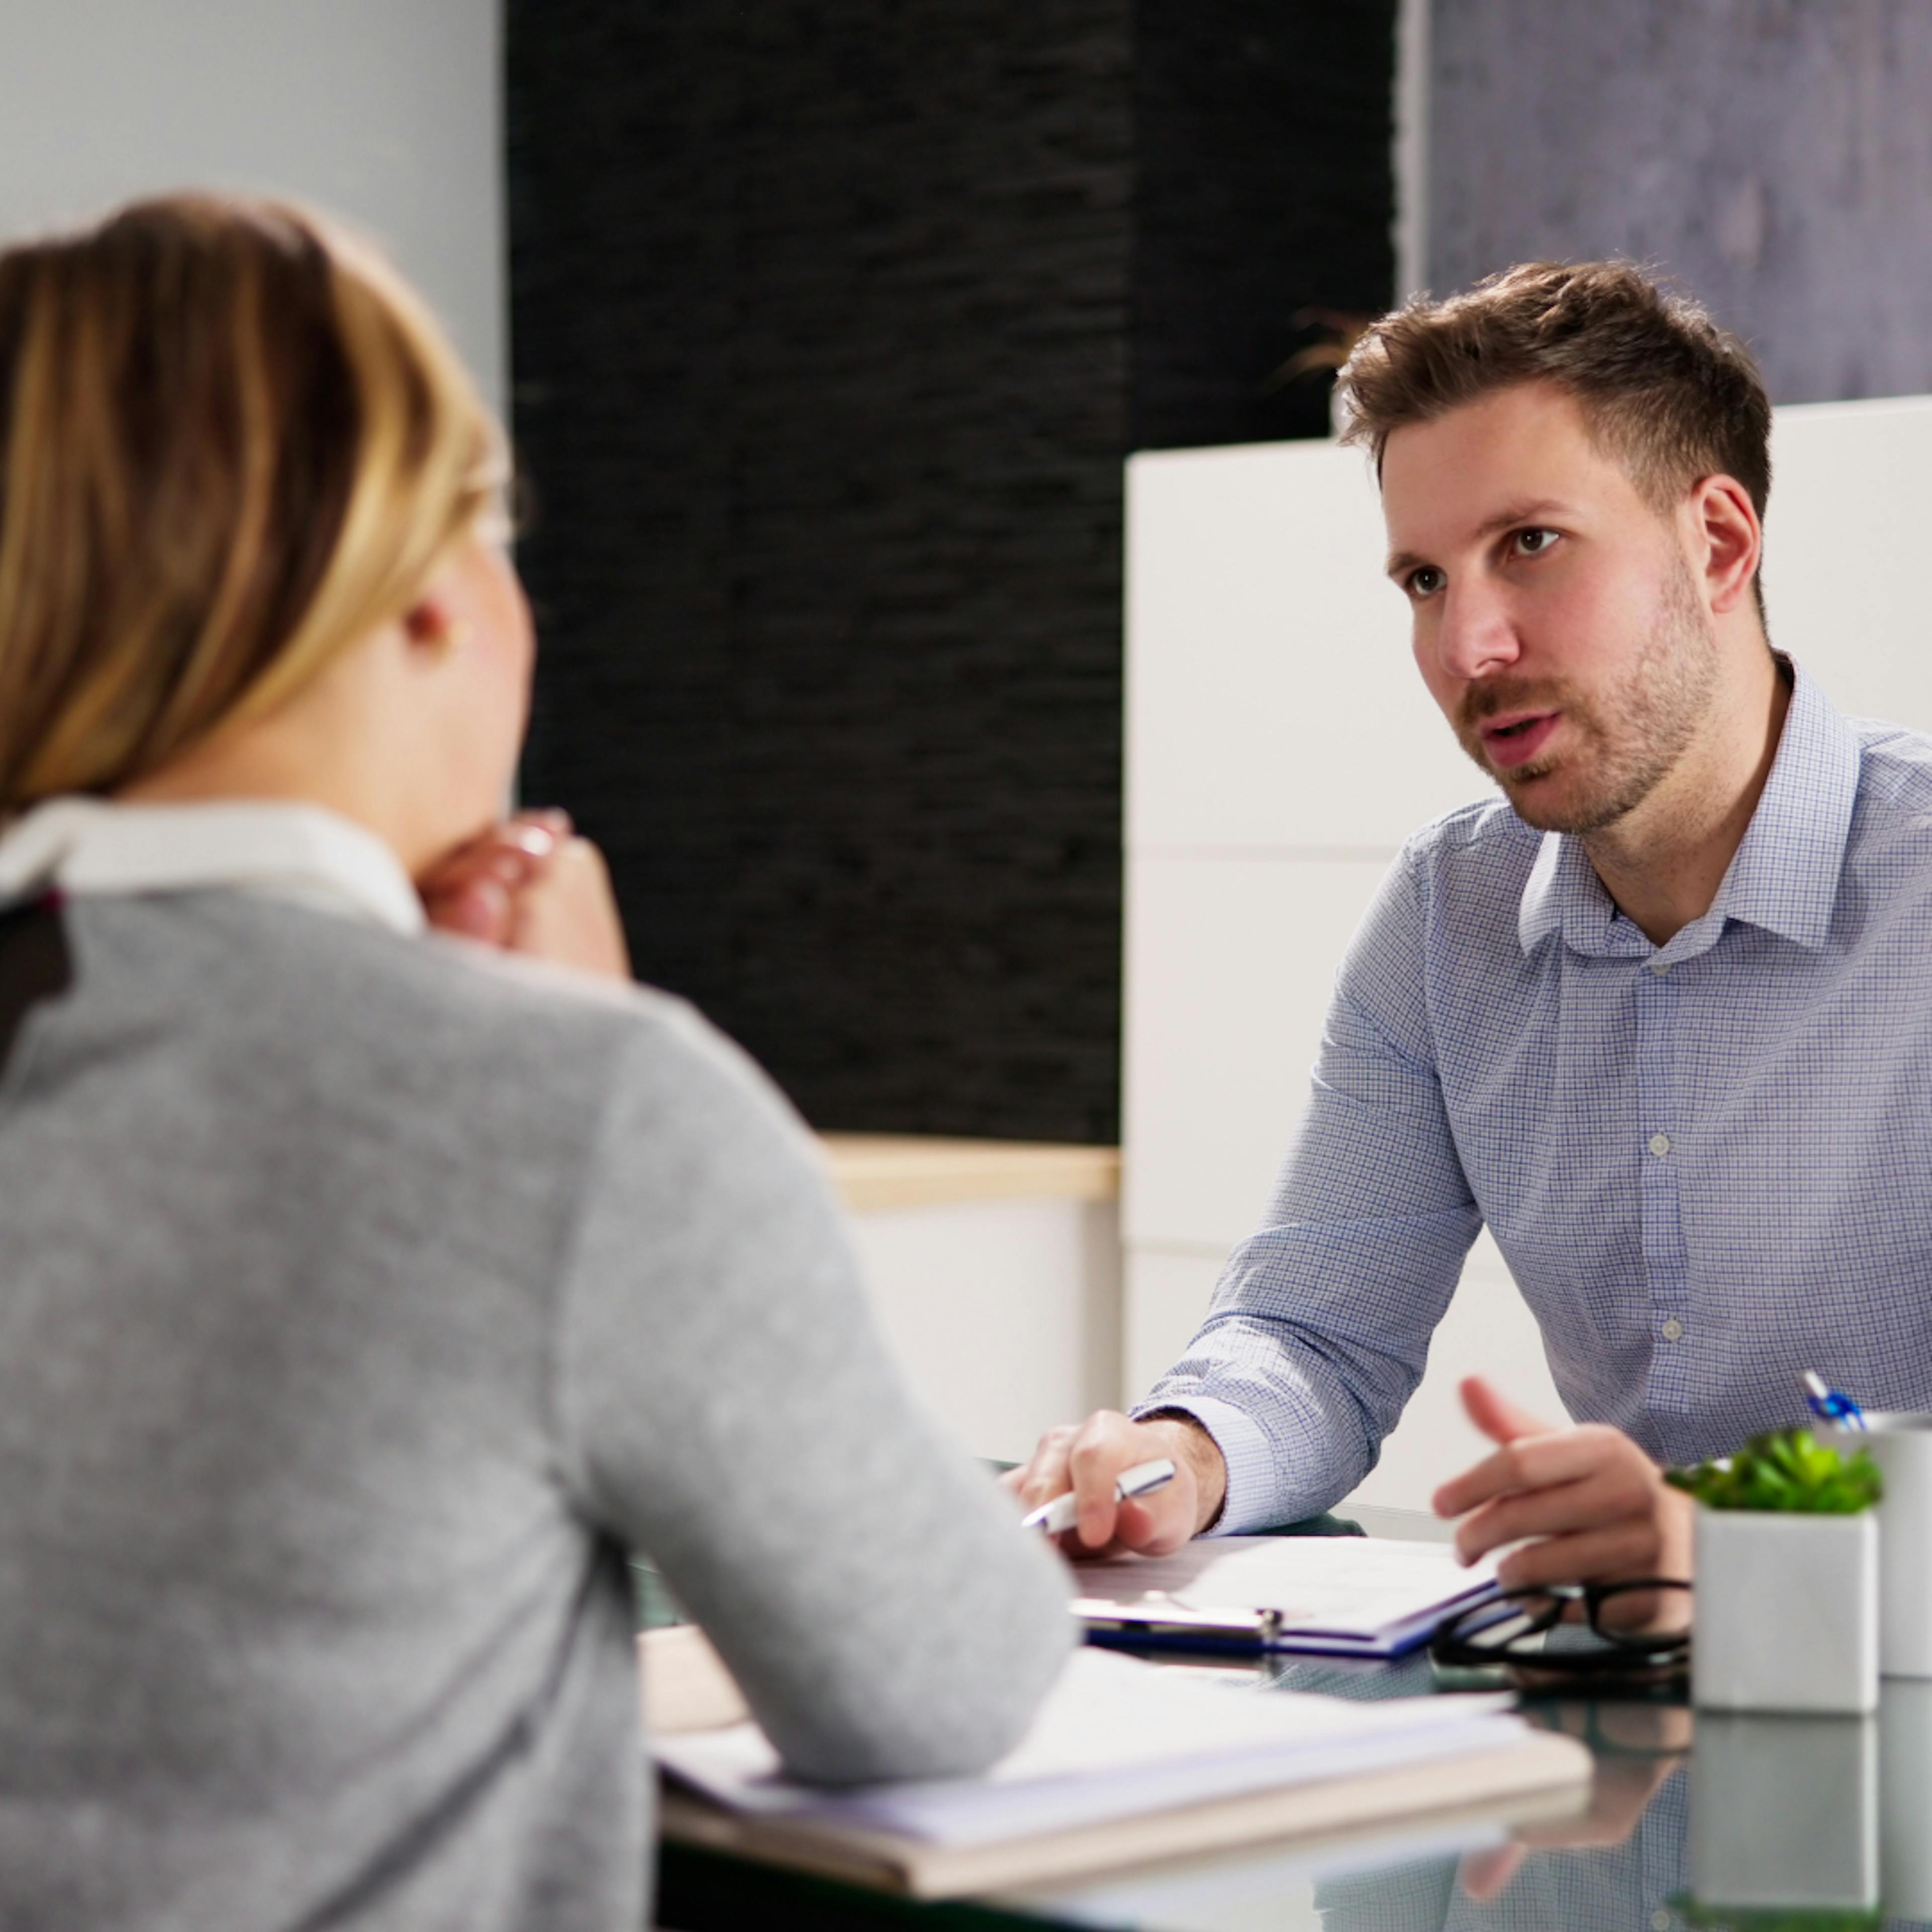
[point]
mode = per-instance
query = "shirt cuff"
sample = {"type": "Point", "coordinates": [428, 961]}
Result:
{"type": "Point", "coordinates": [1244, 1449]}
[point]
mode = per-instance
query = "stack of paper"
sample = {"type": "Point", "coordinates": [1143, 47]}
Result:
{"type": "Point", "coordinates": [1352, 1596]}
{"type": "Point", "coordinates": [1194, 1766]}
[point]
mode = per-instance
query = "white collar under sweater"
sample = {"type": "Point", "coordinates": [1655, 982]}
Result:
{"type": "Point", "coordinates": [89, 846]}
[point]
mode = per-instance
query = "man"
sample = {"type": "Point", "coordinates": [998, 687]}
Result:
{"type": "Point", "coordinates": [1661, 1017]}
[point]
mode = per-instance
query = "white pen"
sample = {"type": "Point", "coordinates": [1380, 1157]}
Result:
{"type": "Point", "coordinates": [1058, 1516]}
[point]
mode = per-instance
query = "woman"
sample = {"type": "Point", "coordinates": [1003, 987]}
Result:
{"type": "Point", "coordinates": [369, 1292]}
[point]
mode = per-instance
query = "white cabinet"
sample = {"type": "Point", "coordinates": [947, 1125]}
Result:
{"type": "Point", "coordinates": [1845, 552]}
{"type": "Point", "coordinates": [1272, 702]}
{"type": "Point", "coordinates": [1215, 940]}
{"type": "Point", "coordinates": [995, 1270]}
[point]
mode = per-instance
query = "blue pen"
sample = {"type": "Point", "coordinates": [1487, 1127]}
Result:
{"type": "Point", "coordinates": [1828, 1405]}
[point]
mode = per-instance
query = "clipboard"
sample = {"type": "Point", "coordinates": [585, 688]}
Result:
{"type": "Point", "coordinates": [1195, 1605]}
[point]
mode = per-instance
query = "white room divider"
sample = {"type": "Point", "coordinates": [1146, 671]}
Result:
{"type": "Point", "coordinates": [1280, 747]}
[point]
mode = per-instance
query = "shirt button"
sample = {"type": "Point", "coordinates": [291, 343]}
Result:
{"type": "Point", "coordinates": [1673, 1330]}
{"type": "Point", "coordinates": [1661, 1920]}
{"type": "Point", "coordinates": [1660, 1143]}
{"type": "Point", "coordinates": [1659, 968]}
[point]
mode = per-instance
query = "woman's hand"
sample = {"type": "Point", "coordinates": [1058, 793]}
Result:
{"type": "Point", "coordinates": [530, 885]}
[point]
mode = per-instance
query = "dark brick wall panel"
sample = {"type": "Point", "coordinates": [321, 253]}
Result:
{"type": "Point", "coordinates": [828, 347]}
{"type": "Point", "coordinates": [1265, 194]}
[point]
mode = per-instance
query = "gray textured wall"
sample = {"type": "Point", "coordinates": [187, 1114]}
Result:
{"type": "Point", "coordinates": [386, 113]}
{"type": "Point", "coordinates": [1776, 155]}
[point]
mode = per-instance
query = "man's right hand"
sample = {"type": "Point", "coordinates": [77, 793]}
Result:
{"type": "Point", "coordinates": [1088, 1457]}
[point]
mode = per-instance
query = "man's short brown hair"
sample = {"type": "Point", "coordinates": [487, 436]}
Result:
{"type": "Point", "coordinates": [1666, 391]}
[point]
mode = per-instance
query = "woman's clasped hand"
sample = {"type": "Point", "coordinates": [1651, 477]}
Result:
{"type": "Point", "coordinates": [531, 885]}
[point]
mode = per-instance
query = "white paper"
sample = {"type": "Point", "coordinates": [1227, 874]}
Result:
{"type": "Point", "coordinates": [1353, 1586]}
{"type": "Point", "coordinates": [1115, 1737]}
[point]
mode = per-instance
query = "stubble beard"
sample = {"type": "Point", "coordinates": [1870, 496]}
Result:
{"type": "Point", "coordinates": [1632, 738]}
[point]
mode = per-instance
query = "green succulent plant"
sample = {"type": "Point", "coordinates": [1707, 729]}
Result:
{"type": "Point", "coordinates": [1786, 1469]}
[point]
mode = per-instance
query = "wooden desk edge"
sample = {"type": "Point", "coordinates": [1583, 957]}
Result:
{"type": "Point", "coordinates": [876, 1171]}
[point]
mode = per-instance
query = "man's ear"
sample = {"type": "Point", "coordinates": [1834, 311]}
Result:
{"type": "Point", "coordinates": [1727, 530]}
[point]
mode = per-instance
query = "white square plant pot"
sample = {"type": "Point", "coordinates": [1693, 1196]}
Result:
{"type": "Point", "coordinates": [1786, 1611]}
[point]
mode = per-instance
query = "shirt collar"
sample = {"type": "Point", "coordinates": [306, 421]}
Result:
{"type": "Point", "coordinates": [1783, 876]}
{"type": "Point", "coordinates": [89, 846]}
{"type": "Point", "coordinates": [1563, 893]}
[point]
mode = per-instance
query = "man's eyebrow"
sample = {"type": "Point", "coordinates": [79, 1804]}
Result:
{"type": "Point", "coordinates": [1511, 516]}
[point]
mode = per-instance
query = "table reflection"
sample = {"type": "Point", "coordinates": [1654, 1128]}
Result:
{"type": "Point", "coordinates": [1621, 1863]}
{"type": "Point", "coordinates": [1769, 1821]}
{"type": "Point", "coordinates": [1762, 1824]}
{"type": "Point", "coordinates": [1905, 1797]}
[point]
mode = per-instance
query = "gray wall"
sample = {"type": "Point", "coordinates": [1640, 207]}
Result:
{"type": "Point", "coordinates": [1776, 154]}
{"type": "Point", "coordinates": [386, 112]}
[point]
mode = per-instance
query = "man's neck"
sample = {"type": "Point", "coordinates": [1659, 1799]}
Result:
{"type": "Point", "coordinates": [1663, 862]}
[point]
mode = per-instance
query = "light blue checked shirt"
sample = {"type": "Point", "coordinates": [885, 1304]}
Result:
{"type": "Point", "coordinates": [1708, 1165]}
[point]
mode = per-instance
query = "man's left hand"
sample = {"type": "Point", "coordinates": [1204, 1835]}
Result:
{"type": "Point", "coordinates": [1597, 1506]}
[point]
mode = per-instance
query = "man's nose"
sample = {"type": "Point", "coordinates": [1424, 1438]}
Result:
{"type": "Point", "coordinates": [1477, 635]}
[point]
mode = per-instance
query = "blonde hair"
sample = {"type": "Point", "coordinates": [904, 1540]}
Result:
{"type": "Point", "coordinates": [232, 442]}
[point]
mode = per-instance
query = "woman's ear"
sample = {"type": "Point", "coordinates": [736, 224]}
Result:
{"type": "Point", "coordinates": [430, 625]}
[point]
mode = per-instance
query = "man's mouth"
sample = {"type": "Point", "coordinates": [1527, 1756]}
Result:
{"type": "Point", "coordinates": [1514, 740]}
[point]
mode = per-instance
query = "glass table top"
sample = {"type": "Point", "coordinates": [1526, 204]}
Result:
{"type": "Point", "coordinates": [1762, 1823]}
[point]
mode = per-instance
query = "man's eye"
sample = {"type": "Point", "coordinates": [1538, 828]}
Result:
{"type": "Point", "coordinates": [1534, 543]}
{"type": "Point", "coordinates": [1425, 582]}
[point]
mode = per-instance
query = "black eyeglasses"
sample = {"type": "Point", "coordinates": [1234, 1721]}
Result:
{"type": "Point", "coordinates": [1634, 1631]}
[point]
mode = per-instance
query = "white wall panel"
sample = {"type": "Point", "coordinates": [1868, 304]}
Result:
{"type": "Point", "coordinates": [1845, 552]}
{"type": "Point", "coordinates": [1272, 699]}
{"type": "Point", "coordinates": [1004, 1314]}
{"type": "Point", "coordinates": [1166, 1293]}
{"type": "Point", "coordinates": [1230, 963]}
